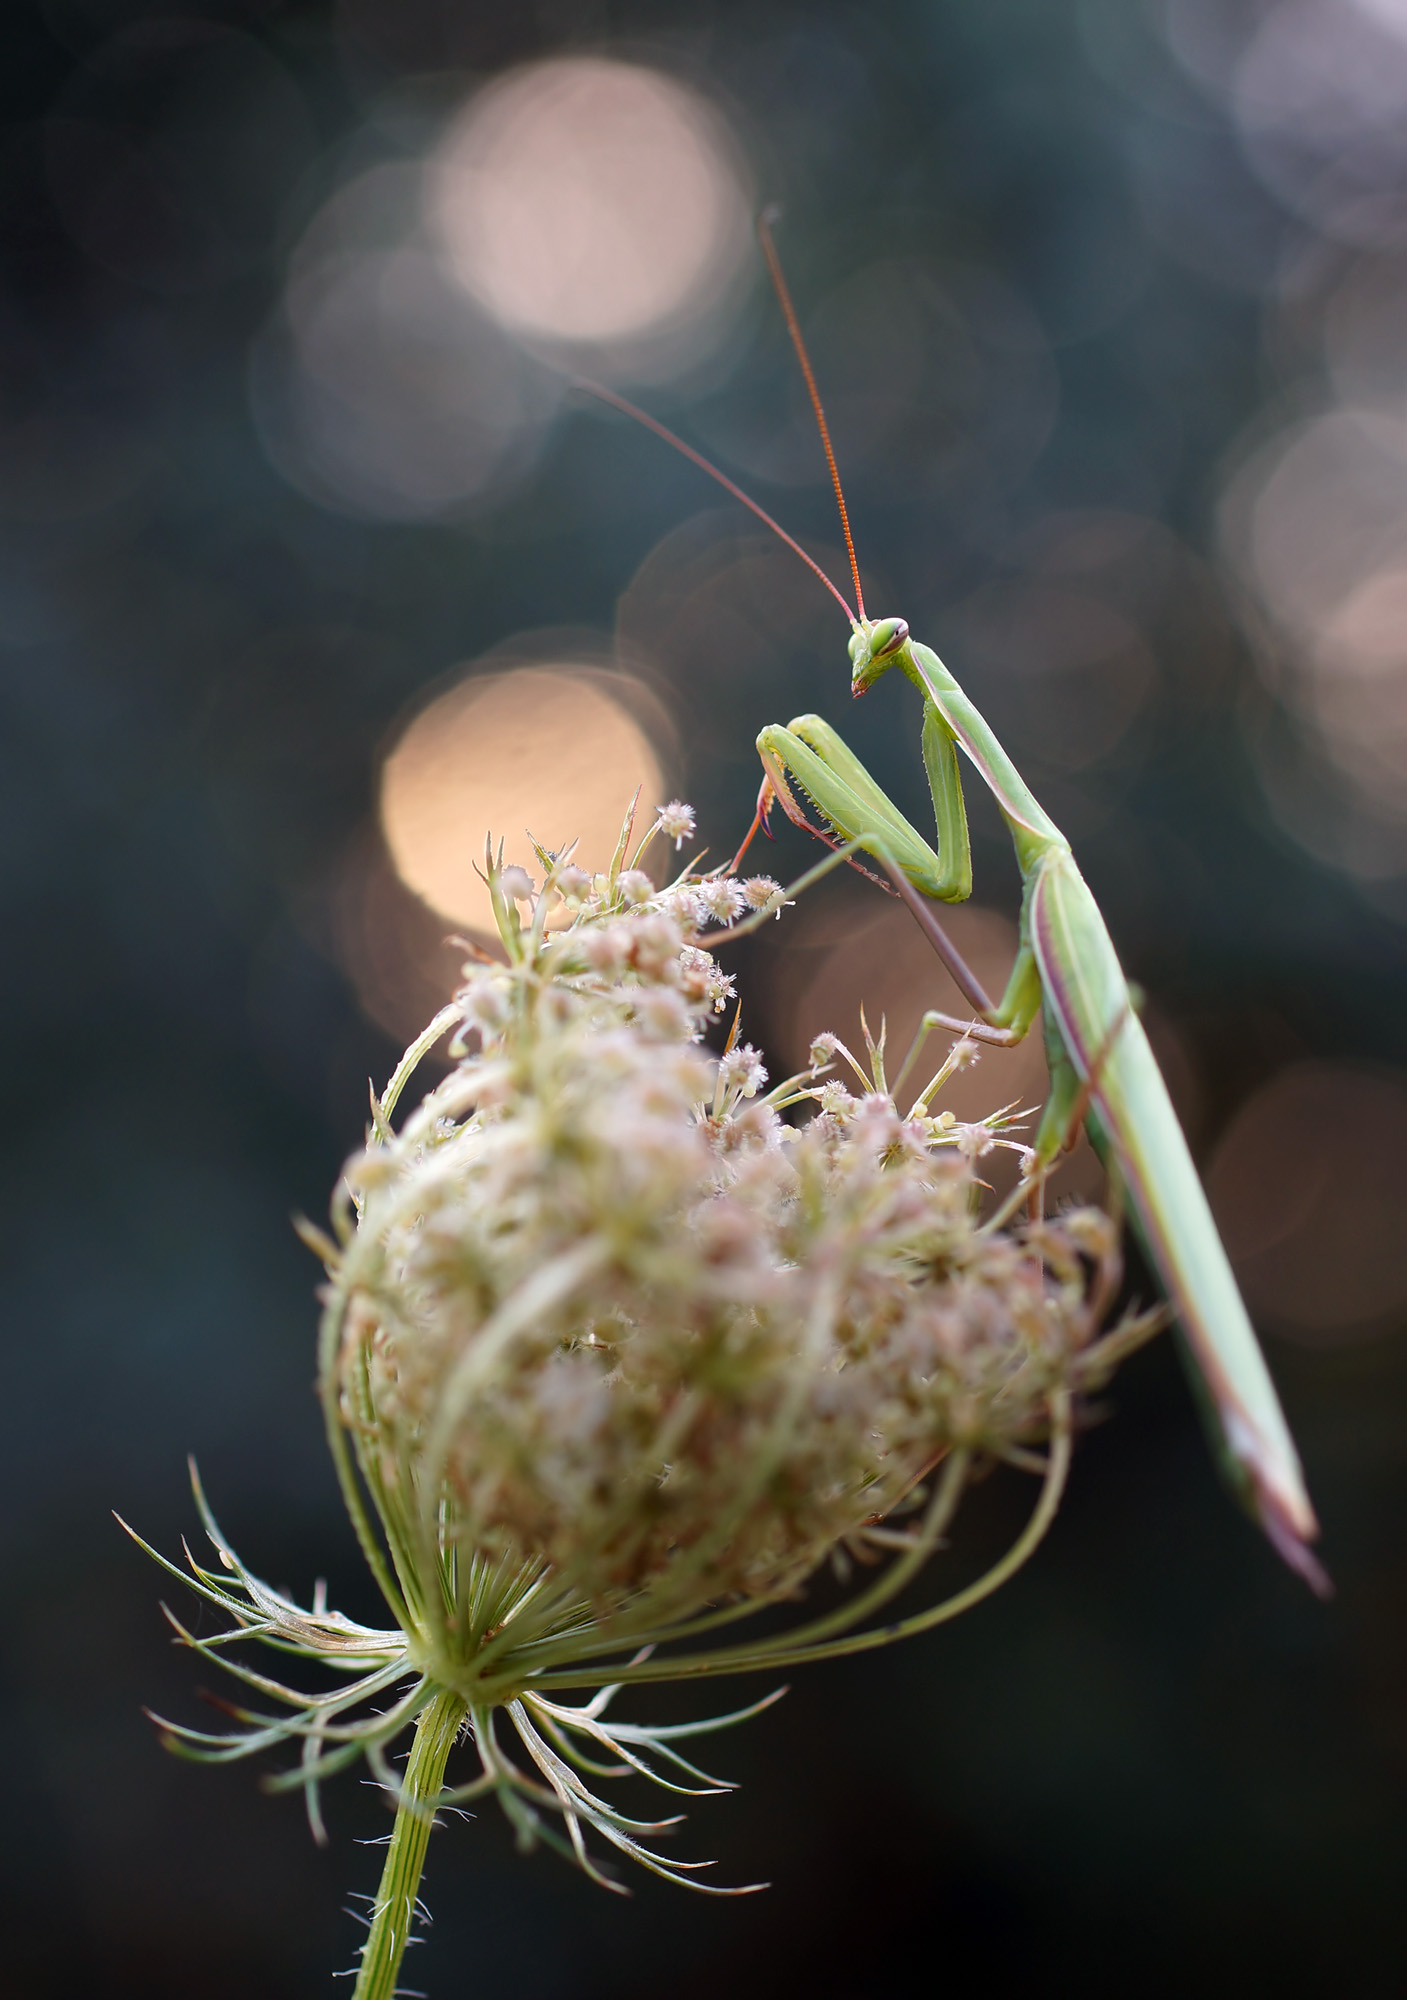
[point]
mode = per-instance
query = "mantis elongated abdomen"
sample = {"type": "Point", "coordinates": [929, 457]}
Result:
{"type": "Point", "coordinates": [1132, 1118]}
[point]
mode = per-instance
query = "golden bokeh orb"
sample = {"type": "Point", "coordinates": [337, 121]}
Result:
{"type": "Point", "coordinates": [548, 753]}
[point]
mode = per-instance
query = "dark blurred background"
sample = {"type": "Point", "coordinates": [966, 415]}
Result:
{"type": "Point", "coordinates": [1109, 302]}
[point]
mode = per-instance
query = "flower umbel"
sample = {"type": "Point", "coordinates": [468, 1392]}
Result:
{"type": "Point", "coordinates": [615, 1354]}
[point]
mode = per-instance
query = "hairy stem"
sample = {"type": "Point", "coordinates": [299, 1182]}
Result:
{"type": "Point", "coordinates": [394, 1909]}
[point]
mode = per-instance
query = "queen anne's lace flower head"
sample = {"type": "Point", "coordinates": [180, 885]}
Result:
{"type": "Point", "coordinates": [616, 1320]}
{"type": "Point", "coordinates": [620, 1345]}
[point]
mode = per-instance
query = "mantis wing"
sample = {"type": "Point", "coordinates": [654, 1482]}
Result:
{"type": "Point", "coordinates": [1132, 1118]}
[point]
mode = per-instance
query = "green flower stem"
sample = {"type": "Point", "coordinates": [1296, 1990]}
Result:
{"type": "Point", "coordinates": [394, 1910]}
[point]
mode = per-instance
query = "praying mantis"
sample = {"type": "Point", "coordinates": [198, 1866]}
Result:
{"type": "Point", "coordinates": [1066, 974]}
{"type": "Point", "coordinates": [1102, 1069]}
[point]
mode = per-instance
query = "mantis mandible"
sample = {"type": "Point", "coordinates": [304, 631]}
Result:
{"type": "Point", "coordinates": [1066, 973]}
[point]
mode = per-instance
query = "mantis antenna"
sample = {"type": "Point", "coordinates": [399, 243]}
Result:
{"type": "Point", "coordinates": [697, 458]}
{"type": "Point", "coordinates": [779, 283]}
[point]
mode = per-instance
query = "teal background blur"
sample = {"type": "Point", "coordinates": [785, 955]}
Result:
{"type": "Point", "coordinates": [1155, 1763]}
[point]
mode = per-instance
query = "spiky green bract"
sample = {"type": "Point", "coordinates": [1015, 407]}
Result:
{"type": "Point", "coordinates": [613, 1356]}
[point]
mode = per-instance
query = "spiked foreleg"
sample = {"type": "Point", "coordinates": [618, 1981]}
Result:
{"type": "Point", "coordinates": [823, 766]}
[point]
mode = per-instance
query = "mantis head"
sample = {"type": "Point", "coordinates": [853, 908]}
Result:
{"type": "Point", "coordinates": [877, 643]}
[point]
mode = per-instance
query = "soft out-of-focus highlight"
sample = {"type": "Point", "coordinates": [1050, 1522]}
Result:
{"type": "Point", "coordinates": [1305, 1185]}
{"type": "Point", "coordinates": [580, 214]}
{"type": "Point", "coordinates": [1317, 525]}
{"type": "Point", "coordinates": [1314, 511]}
{"type": "Point", "coordinates": [553, 752]}
{"type": "Point", "coordinates": [379, 389]}
{"type": "Point", "coordinates": [594, 204]}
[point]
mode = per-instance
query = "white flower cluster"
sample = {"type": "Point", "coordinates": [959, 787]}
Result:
{"type": "Point", "coordinates": [619, 1345]}
{"type": "Point", "coordinates": [608, 1316]}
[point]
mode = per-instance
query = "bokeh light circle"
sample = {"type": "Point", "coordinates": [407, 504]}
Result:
{"type": "Point", "coordinates": [1319, 97]}
{"type": "Point", "coordinates": [589, 201]}
{"type": "Point", "coordinates": [554, 751]}
{"type": "Point", "coordinates": [378, 387]}
{"type": "Point", "coordinates": [1315, 524]}
{"type": "Point", "coordinates": [1305, 1185]}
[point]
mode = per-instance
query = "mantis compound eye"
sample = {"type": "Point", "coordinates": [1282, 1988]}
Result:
{"type": "Point", "coordinates": [887, 636]}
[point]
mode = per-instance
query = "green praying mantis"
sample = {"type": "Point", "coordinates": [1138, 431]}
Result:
{"type": "Point", "coordinates": [1103, 1072]}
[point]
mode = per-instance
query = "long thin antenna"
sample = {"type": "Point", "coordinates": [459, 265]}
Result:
{"type": "Point", "coordinates": [653, 424]}
{"type": "Point", "coordinates": [774, 265]}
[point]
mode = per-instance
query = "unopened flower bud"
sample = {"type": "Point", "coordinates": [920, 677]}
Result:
{"type": "Point", "coordinates": [758, 891]}
{"type": "Point", "coordinates": [654, 944]}
{"type": "Point", "coordinates": [685, 906]}
{"type": "Point", "coordinates": [605, 947]}
{"type": "Point", "coordinates": [701, 978]}
{"type": "Point", "coordinates": [484, 1002]}
{"type": "Point", "coordinates": [722, 897]}
{"type": "Point", "coordinates": [676, 822]}
{"type": "Point", "coordinates": [662, 1014]}
{"type": "Point", "coordinates": [635, 886]}
{"type": "Point", "coordinates": [742, 1070]}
